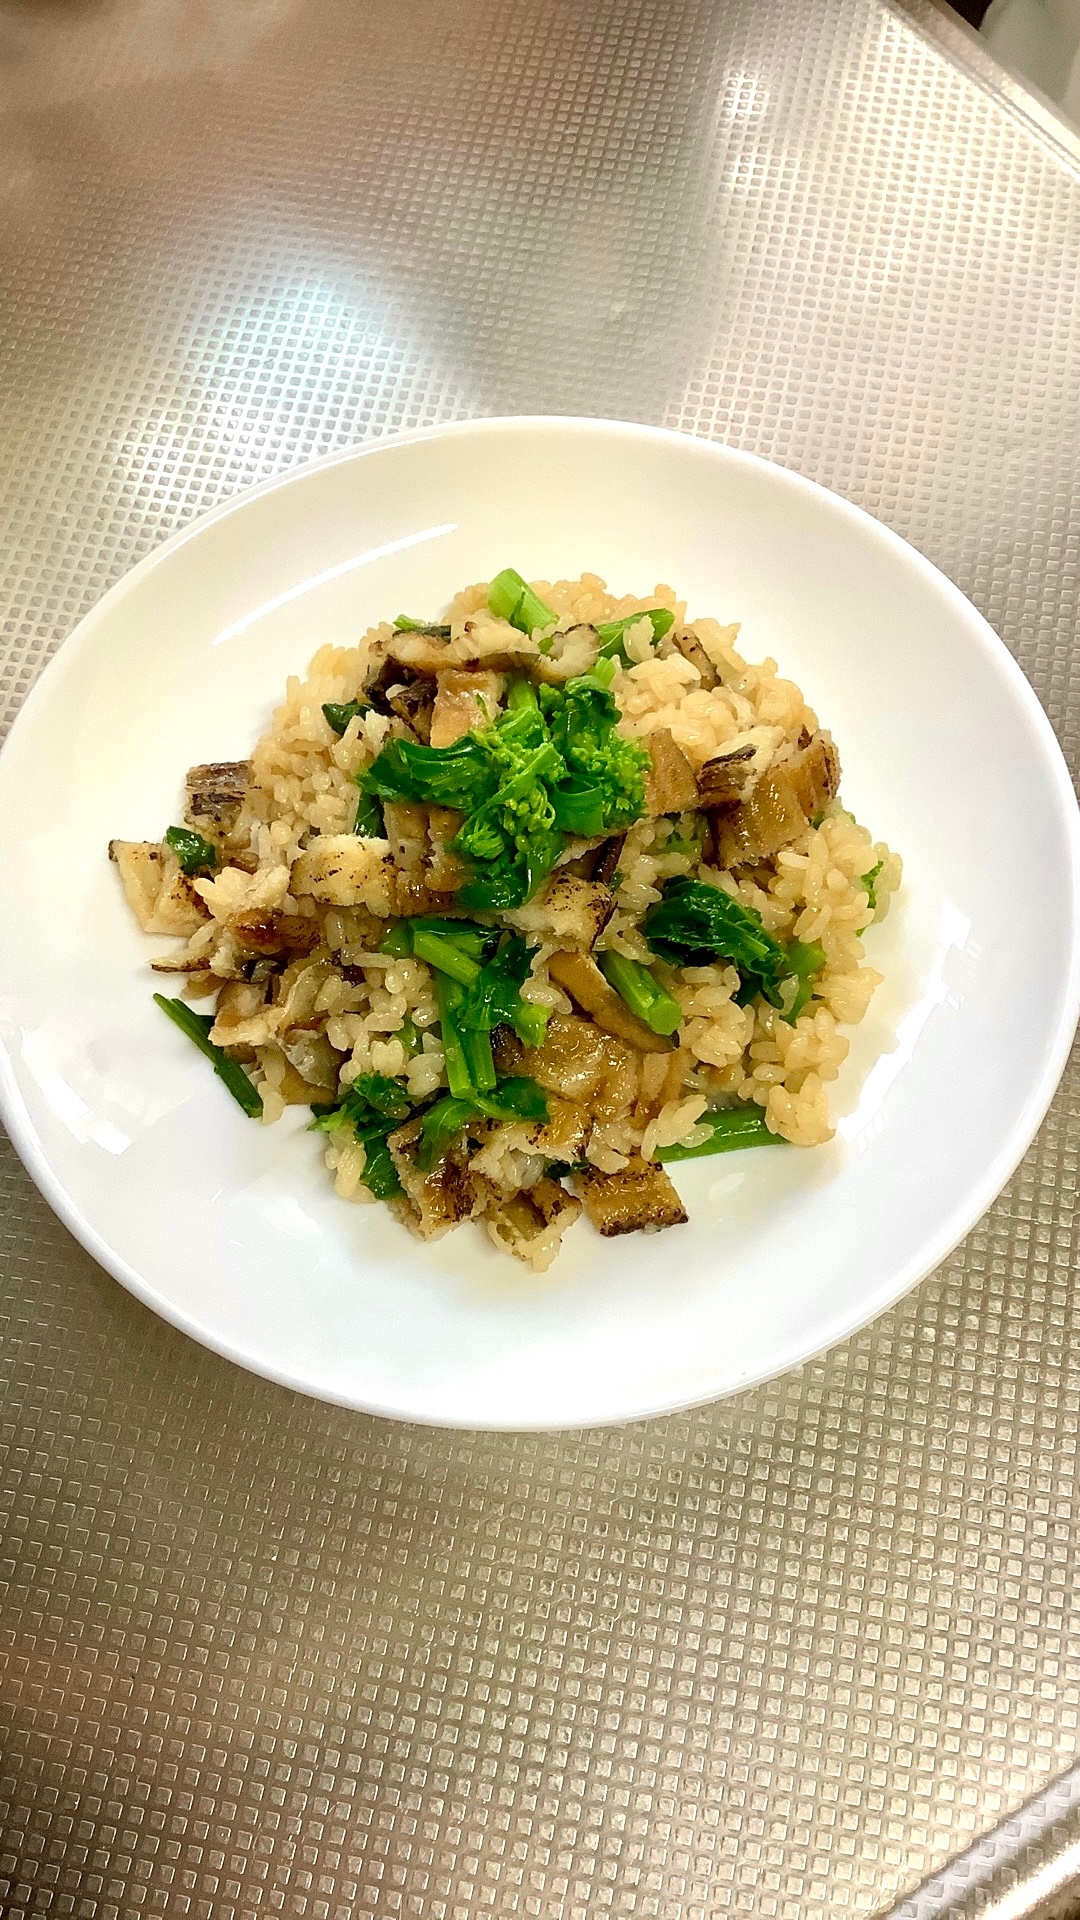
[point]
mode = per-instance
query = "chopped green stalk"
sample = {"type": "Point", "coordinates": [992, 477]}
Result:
{"type": "Point", "coordinates": [338, 716]}
{"type": "Point", "coordinates": [230, 1072]}
{"type": "Point", "coordinates": [612, 633]}
{"type": "Point", "coordinates": [458, 1077]}
{"type": "Point", "coordinates": [406, 624]}
{"type": "Point", "coordinates": [476, 1044]}
{"type": "Point", "coordinates": [410, 1036]}
{"type": "Point", "coordinates": [466, 935]}
{"type": "Point", "coordinates": [729, 1129]}
{"type": "Point", "coordinates": [369, 817]}
{"type": "Point", "coordinates": [511, 598]}
{"type": "Point", "coordinates": [601, 675]}
{"type": "Point", "coordinates": [396, 940]}
{"type": "Point", "coordinates": [450, 995]}
{"type": "Point", "coordinates": [494, 997]}
{"type": "Point", "coordinates": [521, 694]}
{"type": "Point", "coordinates": [195, 854]}
{"type": "Point", "coordinates": [444, 954]}
{"type": "Point", "coordinates": [805, 960]}
{"type": "Point", "coordinates": [641, 991]}
{"type": "Point", "coordinates": [869, 881]}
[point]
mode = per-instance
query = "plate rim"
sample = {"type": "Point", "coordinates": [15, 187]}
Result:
{"type": "Point", "coordinates": [961, 1219]}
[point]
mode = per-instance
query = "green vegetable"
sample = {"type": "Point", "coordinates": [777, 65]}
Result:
{"type": "Point", "coordinates": [502, 885]}
{"type": "Point", "coordinates": [469, 1010]}
{"type": "Point", "coordinates": [445, 954]}
{"type": "Point", "coordinates": [479, 1058]}
{"type": "Point", "coordinates": [494, 998]}
{"type": "Point", "coordinates": [688, 837]}
{"type": "Point", "coordinates": [410, 1036]}
{"type": "Point", "coordinates": [805, 962]}
{"type": "Point", "coordinates": [449, 996]}
{"type": "Point", "coordinates": [441, 1126]}
{"type": "Point", "coordinates": [496, 778]}
{"type": "Point", "coordinates": [612, 632]}
{"type": "Point", "coordinates": [489, 983]}
{"type": "Point", "coordinates": [338, 717]}
{"type": "Point", "coordinates": [197, 1027]}
{"type": "Point", "coordinates": [511, 598]}
{"type": "Point", "coordinates": [729, 1129]}
{"type": "Point", "coordinates": [544, 768]}
{"type": "Point", "coordinates": [397, 940]}
{"type": "Point", "coordinates": [466, 939]}
{"type": "Point", "coordinates": [600, 674]}
{"type": "Point", "coordinates": [369, 815]}
{"type": "Point", "coordinates": [521, 694]}
{"type": "Point", "coordinates": [370, 1094]}
{"type": "Point", "coordinates": [603, 788]}
{"type": "Point", "coordinates": [869, 881]}
{"type": "Point", "coordinates": [380, 1175]}
{"type": "Point", "coordinates": [695, 924]}
{"type": "Point", "coordinates": [641, 991]}
{"type": "Point", "coordinates": [373, 1107]}
{"type": "Point", "coordinates": [518, 815]}
{"type": "Point", "coordinates": [470, 1065]}
{"type": "Point", "coordinates": [195, 854]}
{"type": "Point", "coordinates": [530, 1022]}
{"type": "Point", "coordinates": [378, 1090]}
{"type": "Point", "coordinates": [459, 776]}
{"type": "Point", "coordinates": [406, 624]}
{"type": "Point", "coordinates": [515, 1099]}
{"type": "Point", "coordinates": [467, 935]}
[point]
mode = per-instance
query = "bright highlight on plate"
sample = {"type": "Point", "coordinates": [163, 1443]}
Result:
{"type": "Point", "coordinates": [232, 1229]}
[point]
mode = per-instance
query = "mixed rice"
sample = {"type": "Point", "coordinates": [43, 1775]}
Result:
{"type": "Point", "coordinates": [524, 904]}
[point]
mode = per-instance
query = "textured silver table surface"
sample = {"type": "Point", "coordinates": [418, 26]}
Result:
{"type": "Point", "coordinates": [783, 1656]}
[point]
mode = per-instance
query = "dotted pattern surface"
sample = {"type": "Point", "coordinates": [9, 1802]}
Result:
{"type": "Point", "coordinates": [779, 1657]}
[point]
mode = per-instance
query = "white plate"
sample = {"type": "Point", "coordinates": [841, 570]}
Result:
{"type": "Point", "coordinates": [232, 1231]}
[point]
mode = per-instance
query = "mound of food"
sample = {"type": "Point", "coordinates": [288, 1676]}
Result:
{"type": "Point", "coordinates": [524, 904]}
